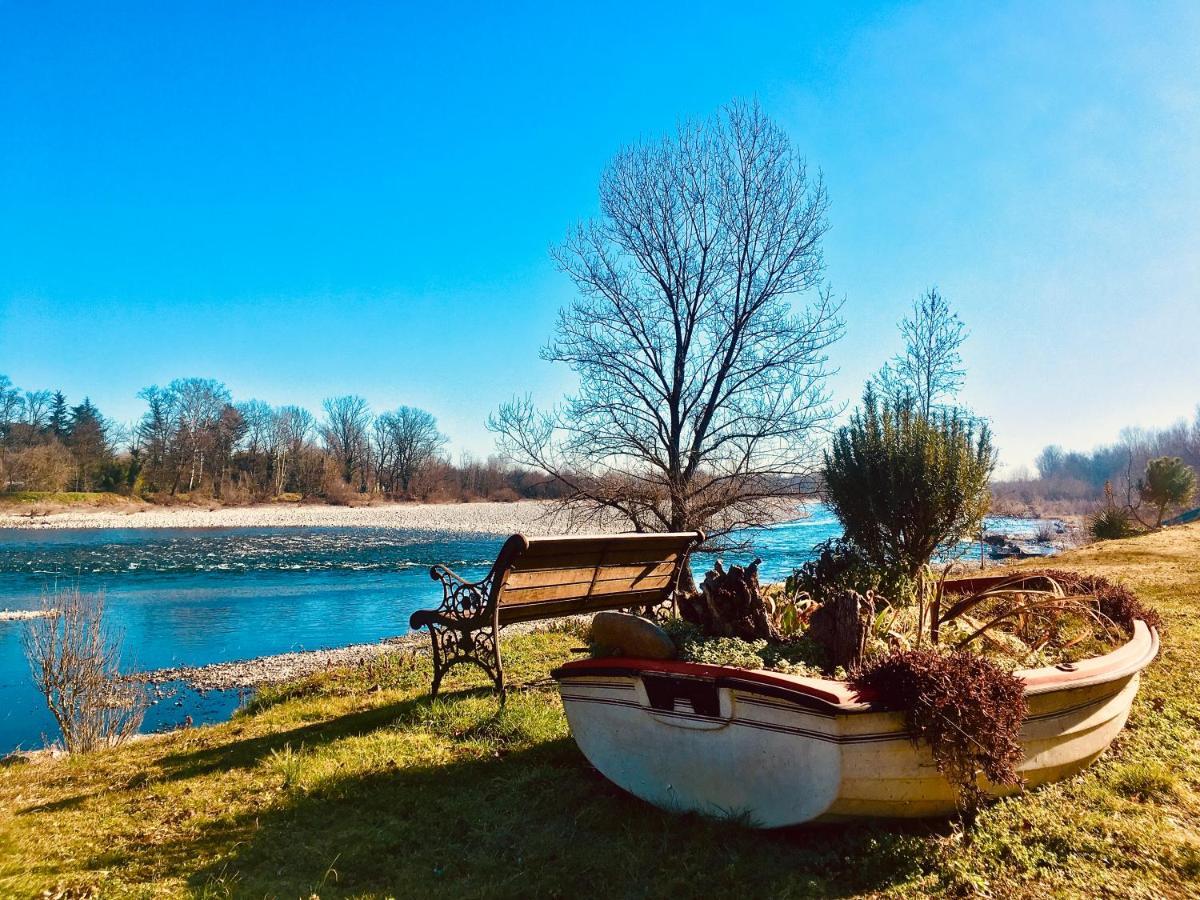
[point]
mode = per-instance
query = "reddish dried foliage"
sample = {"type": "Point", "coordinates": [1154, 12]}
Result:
{"type": "Point", "coordinates": [1115, 601]}
{"type": "Point", "coordinates": [965, 707]}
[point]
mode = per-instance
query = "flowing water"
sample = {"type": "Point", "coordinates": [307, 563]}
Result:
{"type": "Point", "coordinates": [198, 596]}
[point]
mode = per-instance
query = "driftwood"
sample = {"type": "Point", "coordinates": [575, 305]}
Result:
{"type": "Point", "coordinates": [730, 604]}
{"type": "Point", "coordinates": [841, 626]}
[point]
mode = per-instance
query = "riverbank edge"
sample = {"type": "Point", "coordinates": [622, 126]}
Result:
{"type": "Point", "coordinates": [283, 667]}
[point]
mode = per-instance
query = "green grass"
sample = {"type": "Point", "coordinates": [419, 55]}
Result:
{"type": "Point", "coordinates": [355, 784]}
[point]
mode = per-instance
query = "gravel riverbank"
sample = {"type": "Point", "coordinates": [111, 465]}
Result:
{"type": "Point", "coordinates": [528, 516]}
{"type": "Point", "coordinates": [282, 667]}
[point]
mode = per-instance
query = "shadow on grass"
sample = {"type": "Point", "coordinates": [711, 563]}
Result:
{"type": "Point", "coordinates": [535, 821]}
{"type": "Point", "coordinates": [54, 805]}
{"type": "Point", "coordinates": [249, 752]}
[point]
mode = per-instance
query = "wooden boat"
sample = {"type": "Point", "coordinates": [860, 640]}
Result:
{"type": "Point", "coordinates": [777, 749]}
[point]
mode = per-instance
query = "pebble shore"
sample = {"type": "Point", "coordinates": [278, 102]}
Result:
{"type": "Point", "coordinates": [23, 615]}
{"type": "Point", "coordinates": [282, 667]}
{"type": "Point", "coordinates": [529, 516]}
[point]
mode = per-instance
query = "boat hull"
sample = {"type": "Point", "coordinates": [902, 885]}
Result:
{"type": "Point", "coordinates": [775, 750]}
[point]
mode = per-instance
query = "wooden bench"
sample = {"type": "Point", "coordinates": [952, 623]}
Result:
{"type": "Point", "coordinates": [545, 578]}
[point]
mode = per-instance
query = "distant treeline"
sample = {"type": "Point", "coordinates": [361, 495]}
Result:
{"type": "Point", "coordinates": [194, 441]}
{"type": "Point", "coordinates": [1074, 481]}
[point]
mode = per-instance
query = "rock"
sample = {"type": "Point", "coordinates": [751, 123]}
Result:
{"type": "Point", "coordinates": [624, 634]}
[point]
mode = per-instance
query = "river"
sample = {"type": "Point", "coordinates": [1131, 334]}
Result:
{"type": "Point", "coordinates": [199, 596]}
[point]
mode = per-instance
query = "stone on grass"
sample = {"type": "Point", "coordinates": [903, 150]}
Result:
{"type": "Point", "coordinates": [623, 634]}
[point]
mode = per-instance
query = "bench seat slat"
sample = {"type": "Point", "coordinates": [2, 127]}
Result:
{"type": "Point", "coordinates": [587, 574]}
{"type": "Point", "coordinates": [576, 559]}
{"type": "Point", "coordinates": [553, 609]}
{"type": "Point", "coordinates": [519, 596]}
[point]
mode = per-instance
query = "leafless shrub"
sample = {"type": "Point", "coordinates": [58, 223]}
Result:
{"type": "Point", "coordinates": [1046, 534]}
{"type": "Point", "coordinates": [75, 659]}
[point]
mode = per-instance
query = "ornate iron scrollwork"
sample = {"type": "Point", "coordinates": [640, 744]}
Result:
{"type": "Point", "coordinates": [464, 627]}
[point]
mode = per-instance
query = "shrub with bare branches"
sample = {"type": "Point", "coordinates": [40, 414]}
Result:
{"type": "Point", "coordinates": [75, 658]}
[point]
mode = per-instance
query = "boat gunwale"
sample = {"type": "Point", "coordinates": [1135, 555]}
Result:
{"type": "Point", "coordinates": [839, 697]}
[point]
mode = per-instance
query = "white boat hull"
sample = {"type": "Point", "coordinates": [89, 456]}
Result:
{"type": "Point", "coordinates": [778, 750]}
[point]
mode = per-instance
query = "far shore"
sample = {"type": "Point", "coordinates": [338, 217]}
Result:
{"type": "Point", "coordinates": [528, 516]}
{"type": "Point", "coordinates": [531, 517]}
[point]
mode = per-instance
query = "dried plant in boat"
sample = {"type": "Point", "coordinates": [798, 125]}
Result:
{"type": "Point", "coordinates": [1115, 602]}
{"type": "Point", "coordinates": [1027, 613]}
{"type": "Point", "coordinates": [965, 707]}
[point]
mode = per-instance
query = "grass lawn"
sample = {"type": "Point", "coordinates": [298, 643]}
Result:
{"type": "Point", "coordinates": [62, 498]}
{"type": "Point", "coordinates": [355, 784]}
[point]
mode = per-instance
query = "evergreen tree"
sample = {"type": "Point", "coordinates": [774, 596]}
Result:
{"type": "Point", "coordinates": [154, 435]}
{"type": "Point", "coordinates": [88, 443]}
{"type": "Point", "coordinates": [59, 418]}
{"type": "Point", "coordinates": [1168, 482]}
{"type": "Point", "coordinates": [904, 484]}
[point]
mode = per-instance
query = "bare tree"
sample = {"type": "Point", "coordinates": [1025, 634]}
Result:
{"type": "Point", "coordinates": [197, 404]}
{"type": "Point", "coordinates": [1191, 442]}
{"type": "Point", "coordinates": [228, 432]}
{"type": "Point", "coordinates": [406, 441]}
{"type": "Point", "coordinates": [701, 385]}
{"type": "Point", "coordinates": [10, 407]}
{"type": "Point", "coordinates": [75, 659]}
{"type": "Point", "coordinates": [1050, 461]}
{"type": "Point", "coordinates": [10, 403]}
{"type": "Point", "coordinates": [37, 409]}
{"type": "Point", "coordinates": [347, 420]}
{"type": "Point", "coordinates": [930, 368]}
{"type": "Point", "coordinates": [256, 443]}
{"type": "Point", "coordinates": [291, 428]}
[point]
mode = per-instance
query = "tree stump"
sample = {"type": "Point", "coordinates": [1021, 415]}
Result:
{"type": "Point", "coordinates": [841, 627]}
{"type": "Point", "coordinates": [730, 604]}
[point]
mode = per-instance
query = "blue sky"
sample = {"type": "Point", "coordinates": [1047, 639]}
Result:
{"type": "Point", "coordinates": [311, 199]}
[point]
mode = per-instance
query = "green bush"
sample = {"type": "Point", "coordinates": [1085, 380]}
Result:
{"type": "Point", "coordinates": [904, 484]}
{"type": "Point", "coordinates": [1111, 524]}
{"type": "Point", "coordinates": [800, 656]}
{"type": "Point", "coordinates": [841, 565]}
{"type": "Point", "coordinates": [1168, 482]}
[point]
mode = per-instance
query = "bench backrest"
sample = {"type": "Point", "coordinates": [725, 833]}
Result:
{"type": "Point", "coordinates": [542, 578]}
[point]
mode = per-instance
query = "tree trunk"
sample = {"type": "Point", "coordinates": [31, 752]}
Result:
{"type": "Point", "coordinates": [841, 626]}
{"type": "Point", "coordinates": [729, 604]}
